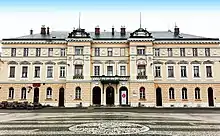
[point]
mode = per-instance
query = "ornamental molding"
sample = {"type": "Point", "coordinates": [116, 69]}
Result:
{"type": "Point", "coordinates": [25, 63]}
{"type": "Point", "coordinates": [183, 62]}
{"type": "Point", "coordinates": [208, 62]}
{"type": "Point", "coordinates": [170, 62]}
{"type": "Point", "coordinates": [140, 39]}
{"type": "Point", "coordinates": [186, 42]}
{"type": "Point", "coordinates": [157, 62]}
{"type": "Point", "coordinates": [37, 63]}
{"type": "Point", "coordinates": [62, 63]}
{"type": "Point", "coordinates": [50, 63]}
{"type": "Point", "coordinates": [195, 62]}
{"type": "Point", "coordinates": [110, 41]}
{"type": "Point", "coordinates": [79, 40]}
{"type": "Point", "coordinates": [96, 62]}
{"type": "Point", "coordinates": [123, 62]}
{"type": "Point", "coordinates": [34, 42]}
{"type": "Point", "coordinates": [12, 63]}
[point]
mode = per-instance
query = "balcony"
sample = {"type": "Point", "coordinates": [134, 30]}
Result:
{"type": "Point", "coordinates": [141, 77]}
{"type": "Point", "coordinates": [110, 79]}
{"type": "Point", "coordinates": [78, 77]}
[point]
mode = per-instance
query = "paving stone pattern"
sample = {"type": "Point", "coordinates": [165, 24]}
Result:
{"type": "Point", "coordinates": [101, 124]}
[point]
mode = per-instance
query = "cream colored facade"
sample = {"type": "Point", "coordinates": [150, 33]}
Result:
{"type": "Point", "coordinates": [127, 63]}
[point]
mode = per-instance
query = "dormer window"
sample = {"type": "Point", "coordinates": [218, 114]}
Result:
{"type": "Point", "coordinates": [140, 50]}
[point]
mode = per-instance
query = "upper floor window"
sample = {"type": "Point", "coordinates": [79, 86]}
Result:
{"type": "Point", "coordinates": [97, 70]}
{"type": "Point", "coordinates": [78, 93]}
{"type": "Point", "coordinates": [13, 52]}
{"type": "Point", "coordinates": [141, 70]}
{"type": "Point", "coordinates": [157, 71]}
{"type": "Point", "coordinates": [49, 71]}
{"type": "Point", "coordinates": [62, 52]}
{"type": "Point", "coordinates": [171, 93]}
{"type": "Point", "coordinates": [24, 72]}
{"type": "Point", "coordinates": [170, 71]}
{"type": "Point", "coordinates": [62, 72]}
{"type": "Point", "coordinates": [208, 71]}
{"type": "Point", "coordinates": [196, 71]}
{"type": "Point", "coordinates": [182, 52]}
{"type": "Point", "coordinates": [50, 52]}
{"type": "Point", "coordinates": [78, 50]}
{"type": "Point", "coordinates": [78, 70]}
{"type": "Point", "coordinates": [170, 52]}
{"type": "Point", "coordinates": [122, 51]}
{"type": "Point", "coordinates": [12, 72]}
{"type": "Point", "coordinates": [183, 71]}
{"type": "Point", "coordinates": [38, 52]}
{"type": "Point", "coordinates": [110, 70]}
{"type": "Point", "coordinates": [184, 93]}
{"type": "Point", "coordinates": [140, 50]}
{"type": "Point", "coordinates": [97, 51]}
{"type": "Point", "coordinates": [110, 52]}
{"type": "Point", "coordinates": [25, 52]}
{"type": "Point", "coordinates": [142, 93]}
{"type": "Point", "coordinates": [122, 70]}
{"type": "Point", "coordinates": [37, 72]}
{"type": "Point", "coordinates": [207, 51]}
{"type": "Point", "coordinates": [195, 52]}
{"type": "Point", "coordinates": [157, 52]}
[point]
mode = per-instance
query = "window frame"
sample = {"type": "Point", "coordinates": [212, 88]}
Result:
{"type": "Point", "coordinates": [78, 93]}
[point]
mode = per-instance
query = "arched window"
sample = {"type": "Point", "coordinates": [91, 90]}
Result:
{"type": "Point", "coordinates": [142, 93]}
{"type": "Point", "coordinates": [23, 93]}
{"type": "Point", "coordinates": [197, 93]}
{"type": "Point", "coordinates": [49, 93]}
{"type": "Point", "coordinates": [184, 93]}
{"type": "Point", "coordinates": [11, 93]}
{"type": "Point", "coordinates": [171, 93]}
{"type": "Point", "coordinates": [78, 93]}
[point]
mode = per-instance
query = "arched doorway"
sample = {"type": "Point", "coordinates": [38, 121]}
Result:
{"type": "Point", "coordinates": [123, 96]}
{"type": "Point", "coordinates": [210, 97]}
{"type": "Point", "coordinates": [110, 97]}
{"type": "Point", "coordinates": [36, 95]}
{"type": "Point", "coordinates": [61, 97]}
{"type": "Point", "coordinates": [96, 95]}
{"type": "Point", "coordinates": [158, 97]}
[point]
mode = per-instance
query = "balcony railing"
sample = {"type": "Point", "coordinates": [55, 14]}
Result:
{"type": "Point", "coordinates": [141, 77]}
{"type": "Point", "coordinates": [110, 79]}
{"type": "Point", "coordinates": [78, 77]}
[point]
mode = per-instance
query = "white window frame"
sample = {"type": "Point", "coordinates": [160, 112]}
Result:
{"type": "Point", "coordinates": [9, 71]}
{"type": "Point", "coordinates": [158, 65]}
{"type": "Point", "coordinates": [157, 52]}
{"type": "Point", "coordinates": [122, 53]}
{"type": "Point", "coordinates": [99, 70]}
{"type": "Point", "coordinates": [22, 94]}
{"type": "Point", "coordinates": [206, 71]}
{"type": "Point", "coordinates": [34, 71]}
{"type": "Point", "coordinates": [173, 71]}
{"type": "Point", "coordinates": [143, 52]}
{"type": "Point", "coordinates": [98, 53]}
{"type": "Point", "coordinates": [52, 72]}
{"type": "Point", "coordinates": [108, 52]}
{"type": "Point", "coordinates": [50, 94]}
{"type": "Point", "coordinates": [186, 71]}
{"type": "Point", "coordinates": [28, 70]}
{"type": "Point", "coordinates": [60, 71]}
{"type": "Point", "coordinates": [169, 52]}
{"type": "Point", "coordinates": [62, 52]}
{"type": "Point", "coordinates": [119, 69]}
{"type": "Point", "coordinates": [113, 73]}
{"type": "Point", "coordinates": [80, 51]}
{"type": "Point", "coordinates": [193, 71]}
{"type": "Point", "coordinates": [78, 95]}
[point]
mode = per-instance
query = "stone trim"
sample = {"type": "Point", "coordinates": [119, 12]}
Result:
{"type": "Point", "coordinates": [208, 62]}
{"type": "Point", "coordinates": [37, 63]}
{"type": "Point", "coordinates": [109, 62]}
{"type": "Point", "coordinates": [34, 42]}
{"type": "Point", "coordinates": [170, 62]}
{"type": "Point", "coordinates": [62, 63]}
{"type": "Point", "coordinates": [195, 62]}
{"type": "Point", "coordinates": [12, 63]}
{"type": "Point", "coordinates": [78, 39]}
{"type": "Point", "coordinates": [186, 42]}
{"type": "Point", "coordinates": [96, 62]}
{"type": "Point", "coordinates": [110, 41]}
{"type": "Point", "coordinates": [157, 62]}
{"type": "Point", "coordinates": [140, 39]}
{"type": "Point", "coordinates": [123, 62]}
{"type": "Point", "coordinates": [25, 63]}
{"type": "Point", "coordinates": [50, 63]}
{"type": "Point", "coordinates": [183, 62]}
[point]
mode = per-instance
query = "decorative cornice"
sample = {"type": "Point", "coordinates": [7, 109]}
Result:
{"type": "Point", "coordinates": [140, 39]}
{"type": "Point", "coordinates": [78, 39]}
{"type": "Point", "coordinates": [25, 63]}
{"type": "Point", "coordinates": [96, 62]}
{"type": "Point", "coordinates": [170, 62]}
{"type": "Point", "coordinates": [109, 62]}
{"type": "Point", "coordinates": [123, 62]}
{"type": "Point", "coordinates": [183, 62]}
{"type": "Point", "coordinates": [195, 62]}
{"type": "Point", "coordinates": [157, 62]}
{"type": "Point", "coordinates": [12, 63]}
{"type": "Point", "coordinates": [208, 62]}
{"type": "Point", "coordinates": [110, 41]}
{"type": "Point", "coordinates": [34, 42]}
{"type": "Point", "coordinates": [62, 63]}
{"type": "Point", "coordinates": [50, 63]}
{"type": "Point", "coordinates": [187, 42]}
{"type": "Point", "coordinates": [37, 63]}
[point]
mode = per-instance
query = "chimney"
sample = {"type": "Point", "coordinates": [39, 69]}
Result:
{"type": "Point", "coordinates": [43, 30]}
{"type": "Point", "coordinates": [31, 32]}
{"type": "Point", "coordinates": [113, 31]}
{"type": "Point", "coordinates": [48, 30]}
{"type": "Point", "coordinates": [97, 30]}
{"type": "Point", "coordinates": [123, 32]}
{"type": "Point", "coordinates": [176, 31]}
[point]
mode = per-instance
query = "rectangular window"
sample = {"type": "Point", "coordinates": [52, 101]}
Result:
{"type": "Point", "coordinates": [96, 70]}
{"type": "Point", "coordinates": [110, 70]}
{"type": "Point", "coordinates": [208, 71]}
{"type": "Point", "coordinates": [23, 94]}
{"type": "Point", "coordinates": [110, 52]}
{"type": "Point", "coordinates": [122, 70]}
{"type": "Point", "coordinates": [140, 50]}
{"type": "Point", "coordinates": [141, 70]}
{"type": "Point", "coordinates": [195, 52]}
{"type": "Point", "coordinates": [12, 72]}
{"type": "Point", "coordinates": [122, 51]}
{"type": "Point", "coordinates": [97, 51]}
{"type": "Point", "coordinates": [37, 72]}
{"type": "Point", "coordinates": [182, 52]}
{"type": "Point", "coordinates": [49, 71]}
{"type": "Point", "coordinates": [62, 52]}
{"type": "Point", "coordinates": [183, 71]}
{"type": "Point", "coordinates": [157, 52]}
{"type": "Point", "coordinates": [78, 70]}
{"type": "Point", "coordinates": [62, 72]}
{"type": "Point", "coordinates": [207, 52]}
{"type": "Point", "coordinates": [50, 52]}
{"type": "Point", "coordinates": [25, 52]}
{"type": "Point", "coordinates": [78, 50]}
{"type": "Point", "coordinates": [38, 52]}
{"type": "Point", "coordinates": [157, 71]}
{"type": "Point", "coordinates": [170, 52]}
{"type": "Point", "coordinates": [170, 71]}
{"type": "Point", "coordinates": [13, 52]}
{"type": "Point", "coordinates": [24, 71]}
{"type": "Point", "coordinates": [196, 71]}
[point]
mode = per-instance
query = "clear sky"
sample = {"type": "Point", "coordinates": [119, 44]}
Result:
{"type": "Point", "coordinates": [198, 17]}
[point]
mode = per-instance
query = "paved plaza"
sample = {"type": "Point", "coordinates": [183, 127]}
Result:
{"type": "Point", "coordinates": [93, 122]}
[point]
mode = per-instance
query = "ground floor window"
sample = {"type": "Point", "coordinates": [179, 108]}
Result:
{"type": "Point", "coordinates": [11, 93]}
{"type": "Point", "coordinates": [78, 93]}
{"type": "Point", "coordinates": [197, 93]}
{"type": "Point", "coordinates": [49, 93]}
{"type": "Point", "coordinates": [184, 93]}
{"type": "Point", "coordinates": [23, 93]}
{"type": "Point", "coordinates": [171, 93]}
{"type": "Point", "coordinates": [142, 93]}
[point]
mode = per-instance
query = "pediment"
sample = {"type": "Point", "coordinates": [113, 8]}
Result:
{"type": "Point", "coordinates": [25, 63]}
{"type": "Point", "coordinates": [12, 63]}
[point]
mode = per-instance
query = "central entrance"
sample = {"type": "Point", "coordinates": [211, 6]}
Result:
{"type": "Point", "coordinates": [158, 97]}
{"type": "Point", "coordinates": [61, 97]}
{"type": "Point", "coordinates": [36, 95]}
{"type": "Point", "coordinates": [110, 97]}
{"type": "Point", "coordinates": [96, 95]}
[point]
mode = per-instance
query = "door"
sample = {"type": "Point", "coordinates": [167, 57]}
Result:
{"type": "Point", "coordinates": [61, 97]}
{"type": "Point", "coordinates": [110, 95]}
{"type": "Point", "coordinates": [123, 96]}
{"type": "Point", "coordinates": [158, 97]}
{"type": "Point", "coordinates": [210, 97]}
{"type": "Point", "coordinates": [96, 96]}
{"type": "Point", "coordinates": [36, 95]}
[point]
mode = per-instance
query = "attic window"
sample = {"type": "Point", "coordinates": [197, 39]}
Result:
{"type": "Point", "coordinates": [54, 37]}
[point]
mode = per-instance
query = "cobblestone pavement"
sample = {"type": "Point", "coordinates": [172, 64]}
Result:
{"type": "Point", "coordinates": [109, 123]}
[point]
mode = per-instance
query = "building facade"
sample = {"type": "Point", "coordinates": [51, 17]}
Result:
{"type": "Point", "coordinates": [140, 68]}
